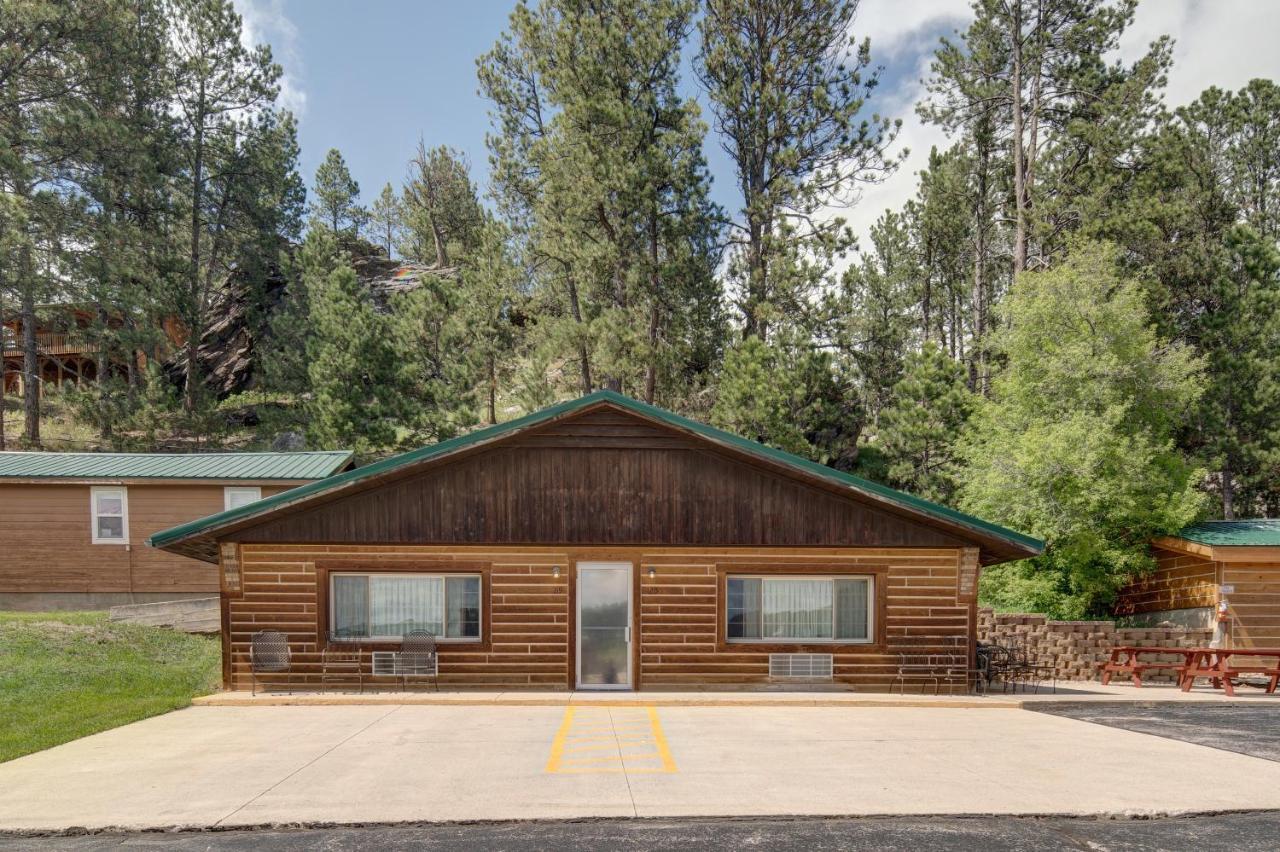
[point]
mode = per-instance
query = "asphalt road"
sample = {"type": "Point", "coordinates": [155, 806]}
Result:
{"type": "Point", "coordinates": [1238, 832]}
{"type": "Point", "coordinates": [1252, 730]}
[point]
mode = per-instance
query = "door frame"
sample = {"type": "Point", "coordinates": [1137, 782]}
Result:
{"type": "Point", "coordinates": [580, 566]}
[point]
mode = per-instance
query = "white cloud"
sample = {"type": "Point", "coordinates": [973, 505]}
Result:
{"type": "Point", "coordinates": [902, 35]}
{"type": "Point", "coordinates": [1223, 43]}
{"type": "Point", "coordinates": [265, 22]}
{"type": "Point", "coordinates": [904, 30]}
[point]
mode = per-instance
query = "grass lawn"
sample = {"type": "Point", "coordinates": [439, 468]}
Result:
{"type": "Point", "coordinates": [64, 675]}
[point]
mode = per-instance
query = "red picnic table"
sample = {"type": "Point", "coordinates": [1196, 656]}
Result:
{"type": "Point", "coordinates": [1127, 660]}
{"type": "Point", "coordinates": [1216, 663]}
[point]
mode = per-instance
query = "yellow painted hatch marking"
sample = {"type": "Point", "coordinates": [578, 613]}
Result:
{"type": "Point", "coordinates": [604, 739]}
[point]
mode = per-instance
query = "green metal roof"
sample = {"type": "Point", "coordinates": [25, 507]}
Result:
{"type": "Point", "coordinates": [855, 483]}
{"type": "Point", "coordinates": [36, 465]}
{"type": "Point", "coordinates": [1259, 532]}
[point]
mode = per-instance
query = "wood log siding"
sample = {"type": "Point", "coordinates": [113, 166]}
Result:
{"type": "Point", "coordinates": [1254, 604]}
{"type": "Point", "coordinates": [529, 632]}
{"type": "Point", "coordinates": [1180, 581]}
{"type": "Point", "coordinates": [603, 478]}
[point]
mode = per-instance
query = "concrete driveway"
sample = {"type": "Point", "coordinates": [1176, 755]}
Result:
{"type": "Point", "coordinates": [246, 766]}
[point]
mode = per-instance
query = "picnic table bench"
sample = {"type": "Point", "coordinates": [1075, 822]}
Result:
{"type": "Point", "coordinates": [1127, 660]}
{"type": "Point", "coordinates": [1216, 664]}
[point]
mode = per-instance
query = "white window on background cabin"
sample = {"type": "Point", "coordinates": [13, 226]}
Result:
{"type": "Point", "coordinates": [109, 508]}
{"type": "Point", "coordinates": [387, 606]}
{"type": "Point", "coordinates": [236, 496]}
{"type": "Point", "coordinates": [799, 609]}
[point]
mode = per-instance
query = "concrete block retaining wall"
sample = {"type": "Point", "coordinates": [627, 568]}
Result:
{"type": "Point", "coordinates": [1077, 648]}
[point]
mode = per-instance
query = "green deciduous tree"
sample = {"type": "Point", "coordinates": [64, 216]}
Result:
{"type": "Point", "coordinates": [1076, 444]}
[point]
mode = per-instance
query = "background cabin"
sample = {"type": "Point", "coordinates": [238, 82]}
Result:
{"type": "Point", "coordinates": [1205, 564]}
{"type": "Point", "coordinates": [73, 526]}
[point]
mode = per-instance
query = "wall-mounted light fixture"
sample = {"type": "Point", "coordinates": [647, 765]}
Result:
{"type": "Point", "coordinates": [653, 573]}
{"type": "Point", "coordinates": [555, 571]}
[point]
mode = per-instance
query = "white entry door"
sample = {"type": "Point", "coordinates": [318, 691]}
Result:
{"type": "Point", "coordinates": [604, 625]}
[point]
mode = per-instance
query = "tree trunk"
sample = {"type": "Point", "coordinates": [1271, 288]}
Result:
{"type": "Point", "coordinates": [437, 236]}
{"type": "Point", "coordinates": [655, 285]}
{"type": "Point", "coordinates": [976, 380]}
{"type": "Point", "coordinates": [576, 309]}
{"type": "Point", "coordinates": [102, 366]}
{"type": "Point", "coordinates": [4, 378]}
{"type": "Point", "coordinates": [1019, 151]}
{"type": "Point", "coordinates": [1228, 491]}
{"type": "Point", "coordinates": [493, 390]}
{"type": "Point", "coordinates": [193, 321]}
{"type": "Point", "coordinates": [30, 355]}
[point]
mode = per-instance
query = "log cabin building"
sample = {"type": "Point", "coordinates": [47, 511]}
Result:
{"type": "Point", "coordinates": [1205, 565]}
{"type": "Point", "coordinates": [603, 544]}
{"type": "Point", "coordinates": [73, 525]}
{"type": "Point", "coordinates": [65, 350]}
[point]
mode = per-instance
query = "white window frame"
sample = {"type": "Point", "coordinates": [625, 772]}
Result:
{"type": "Point", "coordinates": [440, 639]}
{"type": "Point", "coordinates": [812, 640]}
{"type": "Point", "coordinates": [94, 491]}
{"type": "Point", "coordinates": [233, 489]}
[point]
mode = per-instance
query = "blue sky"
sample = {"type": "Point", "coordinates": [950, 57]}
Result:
{"type": "Point", "coordinates": [371, 77]}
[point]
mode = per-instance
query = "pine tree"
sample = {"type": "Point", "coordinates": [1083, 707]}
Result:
{"type": "Point", "coordinates": [789, 86]}
{"type": "Point", "coordinates": [920, 428]}
{"type": "Point", "coordinates": [599, 159]}
{"type": "Point", "coordinates": [789, 395]}
{"type": "Point", "coordinates": [1195, 223]}
{"type": "Point", "coordinates": [441, 213]}
{"type": "Point", "coordinates": [386, 218]}
{"type": "Point", "coordinates": [1039, 74]}
{"type": "Point", "coordinates": [220, 88]}
{"type": "Point", "coordinates": [489, 281]}
{"type": "Point", "coordinates": [352, 361]}
{"type": "Point", "coordinates": [335, 203]}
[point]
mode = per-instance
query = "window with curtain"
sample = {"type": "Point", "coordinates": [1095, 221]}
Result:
{"type": "Point", "coordinates": [798, 609]}
{"type": "Point", "coordinates": [387, 606]}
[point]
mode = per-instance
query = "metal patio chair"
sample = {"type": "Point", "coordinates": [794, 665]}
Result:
{"type": "Point", "coordinates": [269, 654]}
{"type": "Point", "coordinates": [418, 658]}
{"type": "Point", "coordinates": [917, 661]}
{"type": "Point", "coordinates": [342, 666]}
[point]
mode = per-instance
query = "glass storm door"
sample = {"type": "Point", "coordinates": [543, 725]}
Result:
{"type": "Point", "coordinates": [604, 625]}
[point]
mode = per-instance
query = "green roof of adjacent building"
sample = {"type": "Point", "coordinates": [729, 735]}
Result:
{"type": "Point", "coordinates": [1258, 532]}
{"type": "Point", "coordinates": [205, 526]}
{"type": "Point", "coordinates": [212, 466]}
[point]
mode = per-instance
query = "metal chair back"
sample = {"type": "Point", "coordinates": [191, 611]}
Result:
{"type": "Point", "coordinates": [268, 654]}
{"type": "Point", "coordinates": [269, 651]}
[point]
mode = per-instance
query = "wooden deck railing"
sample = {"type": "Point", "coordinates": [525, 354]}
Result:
{"type": "Point", "coordinates": [49, 343]}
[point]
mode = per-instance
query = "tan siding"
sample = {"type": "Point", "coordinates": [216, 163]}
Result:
{"type": "Point", "coordinates": [677, 613]}
{"type": "Point", "coordinates": [1180, 581]}
{"type": "Point", "coordinates": [1254, 604]}
{"type": "Point", "coordinates": [46, 543]}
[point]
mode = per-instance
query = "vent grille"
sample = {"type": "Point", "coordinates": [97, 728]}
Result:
{"type": "Point", "coordinates": [800, 666]}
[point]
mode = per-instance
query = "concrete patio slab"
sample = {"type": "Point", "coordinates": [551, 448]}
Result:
{"type": "Point", "coordinates": [244, 766]}
{"type": "Point", "coordinates": [1066, 692]}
